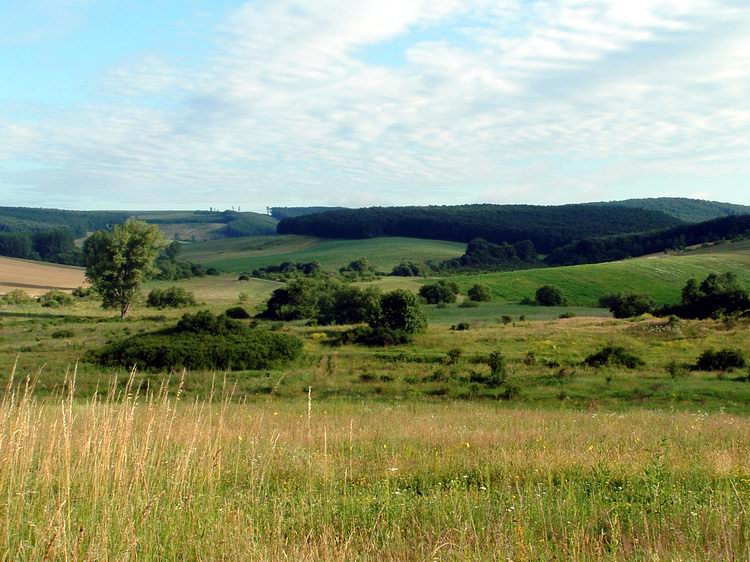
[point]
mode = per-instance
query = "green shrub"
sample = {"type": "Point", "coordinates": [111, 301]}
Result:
{"type": "Point", "coordinates": [567, 314]}
{"type": "Point", "coordinates": [480, 293]}
{"type": "Point", "coordinates": [399, 311]}
{"type": "Point", "coordinates": [237, 313]}
{"type": "Point", "coordinates": [60, 334]}
{"type": "Point", "coordinates": [614, 356]}
{"type": "Point", "coordinates": [506, 319]}
{"type": "Point", "coordinates": [358, 269]}
{"type": "Point", "coordinates": [466, 304]}
{"type": "Point", "coordinates": [628, 305]}
{"type": "Point", "coordinates": [213, 271]}
{"type": "Point", "coordinates": [380, 336]}
{"type": "Point", "coordinates": [461, 326]}
{"type": "Point", "coordinates": [18, 296]}
{"type": "Point", "coordinates": [722, 360]}
{"type": "Point", "coordinates": [202, 341]}
{"type": "Point", "coordinates": [548, 295]}
{"type": "Point", "coordinates": [82, 292]}
{"type": "Point", "coordinates": [244, 277]}
{"type": "Point", "coordinates": [453, 356]}
{"type": "Point", "coordinates": [497, 365]}
{"type": "Point", "coordinates": [409, 269]}
{"type": "Point", "coordinates": [442, 291]}
{"type": "Point", "coordinates": [55, 299]}
{"type": "Point", "coordinates": [173, 297]}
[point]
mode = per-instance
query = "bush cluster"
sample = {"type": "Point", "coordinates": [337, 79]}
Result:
{"type": "Point", "coordinates": [628, 305]}
{"type": "Point", "coordinates": [237, 313]}
{"type": "Point", "coordinates": [716, 296]}
{"type": "Point", "coordinates": [480, 293]}
{"type": "Point", "coordinates": [324, 301]}
{"type": "Point", "coordinates": [202, 341]}
{"type": "Point", "coordinates": [441, 292]}
{"type": "Point", "coordinates": [55, 299]}
{"type": "Point", "coordinates": [288, 270]}
{"type": "Point", "coordinates": [410, 269]}
{"type": "Point", "coordinates": [17, 296]}
{"type": "Point", "coordinates": [173, 297]}
{"type": "Point", "coordinates": [722, 360]}
{"type": "Point", "coordinates": [614, 356]}
{"type": "Point", "coordinates": [358, 270]}
{"type": "Point", "coordinates": [83, 292]}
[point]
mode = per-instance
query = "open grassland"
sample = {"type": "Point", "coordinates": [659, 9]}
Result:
{"type": "Point", "coordinates": [544, 355]}
{"type": "Point", "coordinates": [162, 478]}
{"type": "Point", "coordinates": [661, 277]}
{"type": "Point", "coordinates": [37, 277]}
{"type": "Point", "coordinates": [398, 453]}
{"type": "Point", "coordinates": [383, 253]}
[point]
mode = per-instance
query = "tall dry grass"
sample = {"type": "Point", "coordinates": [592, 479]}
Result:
{"type": "Point", "coordinates": [149, 475]}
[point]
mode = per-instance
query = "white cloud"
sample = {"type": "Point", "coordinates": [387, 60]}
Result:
{"type": "Point", "coordinates": [503, 106]}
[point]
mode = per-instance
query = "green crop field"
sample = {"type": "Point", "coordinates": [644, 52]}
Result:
{"type": "Point", "coordinates": [247, 254]}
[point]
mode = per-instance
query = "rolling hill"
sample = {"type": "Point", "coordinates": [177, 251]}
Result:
{"type": "Point", "coordinates": [184, 225]}
{"type": "Point", "coordinates": [661, 276]}
{"type": "Point", "coordinates": [687, 210]}
{"type": "Point", "coordinates": [547, 227]}
{"type": "Point", "coordinates": [247, 254]}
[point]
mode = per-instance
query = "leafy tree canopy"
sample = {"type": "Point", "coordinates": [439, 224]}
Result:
{"type": "Point", "coordinates": [118, 261]}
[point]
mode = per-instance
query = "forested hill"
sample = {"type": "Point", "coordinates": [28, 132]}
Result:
{"type": "Point", "coordinates": [281, 213]}
{"type": "Point", "coordinates": [27, 219]}
{"type": "Point", "coordinates": [687, 210]}
{"type": "Point", "coordinates": [546, 226]}
{"type": "Point", "coordinates": [613, 248]}
{"type": "Point", "coordinates": [78, 223]}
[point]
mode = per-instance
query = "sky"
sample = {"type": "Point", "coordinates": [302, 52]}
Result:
{"type": "Point", "coordinates": [189, 104]}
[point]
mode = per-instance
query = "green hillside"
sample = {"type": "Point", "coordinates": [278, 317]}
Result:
{"type": "Point", "coordinates": [182, 225]}
{"type": "Point", "coordinates": [247, 254]}
{"type": "Point", "coordinates": [688, 210]}
{"type": "Point", "coordinates": [661, 277]}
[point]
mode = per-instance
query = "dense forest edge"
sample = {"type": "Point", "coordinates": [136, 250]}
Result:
{"type": "Point", "coordinates": [546, 227]}
{"type": "Point", "coordinates": [615, 248]}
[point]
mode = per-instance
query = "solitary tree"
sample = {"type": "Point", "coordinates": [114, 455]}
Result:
{"type": "Point", "coordinates": [118, 260]}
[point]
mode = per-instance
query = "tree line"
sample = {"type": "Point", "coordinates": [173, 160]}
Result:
{"type": "Point", "coordinates": [55, 246]}
{"type": "Point", "coordinates": [546, 227]}
{"type": "Point", "coordinates": [613, 248]}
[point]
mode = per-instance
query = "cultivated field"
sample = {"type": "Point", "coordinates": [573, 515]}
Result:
{"type": "Point", "coordinates": [36, 277]}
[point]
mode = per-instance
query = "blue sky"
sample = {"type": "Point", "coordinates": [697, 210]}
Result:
{"type": "Point", "coordinates": [190, 104]}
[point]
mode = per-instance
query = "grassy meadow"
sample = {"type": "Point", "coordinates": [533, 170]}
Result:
{"type": "Point", "coordinates": [247, 254]}
{"type": "Point", "coordinates": [160, 477]}
{"type": "Point", "coordinates": [396, 453]}
{"type": "Point", "coordinates": [661, 277]}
